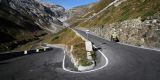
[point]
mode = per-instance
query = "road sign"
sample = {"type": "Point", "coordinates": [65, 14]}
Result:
{"type": "Point", "coordinates": [88, 46]}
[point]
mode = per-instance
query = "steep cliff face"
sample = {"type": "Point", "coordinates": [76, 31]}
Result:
{"type": "Point", "coordinates": [55, 10]}
{"type": "Point", "coordinates": [40, 13]}
{"type": "Point", "coordinates": [25, 20]}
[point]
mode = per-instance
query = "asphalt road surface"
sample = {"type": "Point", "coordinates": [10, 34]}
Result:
{"type": "Point", "coordinates": [125, 63]}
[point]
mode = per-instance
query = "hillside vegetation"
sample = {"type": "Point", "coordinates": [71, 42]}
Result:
{"type": "Point", "coordinates": [76, 14]}
{"type": "Point", "coordinates": [129, 9]}
{"type": "Point", "coordinates": [69, 38]}
{"type": "Point", "coordinates": [135, 21]}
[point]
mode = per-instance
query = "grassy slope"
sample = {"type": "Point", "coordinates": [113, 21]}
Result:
{"type": "Point", "coordinates": [69, 38]}
{"type": "Point", "coordinates": [77, 13]}
{"type": "Point", "coordinates": [127, 10]}
{"type": "Point", "coordinates": [89, 10]}
{"type": "Point", "coordinates": [65, 37]}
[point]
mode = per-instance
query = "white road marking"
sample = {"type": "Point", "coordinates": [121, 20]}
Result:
{"type": "Point", "coordinates": [63, 64]}
{"type": "Point", "coordinates": [106, 62]}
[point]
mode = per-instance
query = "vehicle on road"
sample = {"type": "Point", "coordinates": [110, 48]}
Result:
{"type": "Point", "coordinates": [114, 37]}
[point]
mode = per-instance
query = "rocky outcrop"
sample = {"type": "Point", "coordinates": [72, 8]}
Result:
{"type": "Point", "coordinates": [138, 32]}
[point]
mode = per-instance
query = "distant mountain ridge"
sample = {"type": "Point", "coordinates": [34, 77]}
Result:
{"type": "Point", "coordinates": [25, 20]}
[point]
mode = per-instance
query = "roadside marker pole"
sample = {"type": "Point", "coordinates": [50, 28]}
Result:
{"type": "Point", "coordinates": [37, 50]}
{"type": "Point", "coordinates": [25, 52]}
{"type": "Point", "coordinates": [44, 49]}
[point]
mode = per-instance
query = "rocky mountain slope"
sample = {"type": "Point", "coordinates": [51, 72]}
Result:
{"type": "Point", "coordinates": [76, 13]}
{"type": "Point", "coordinates": [137, 22]}
{"type": "Point", "coordinates": [25, 20]}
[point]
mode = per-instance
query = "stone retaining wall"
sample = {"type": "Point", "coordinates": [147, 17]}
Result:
{"type": "Point", "coordinates": [134, 32]}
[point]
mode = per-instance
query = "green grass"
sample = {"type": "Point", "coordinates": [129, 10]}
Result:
{"type": "Point", "coordinates": [85, 62]}
{"type": "Point", "coordinates": [69, 38]}
{"type": "Point", "coordinates": [130, 9]}
{"type": "Point", "coordinates": [24, 47]}
{"type": "Point", "coordinates": [100, 5]}
{"type": "Point", "coordinates": [79, 50]}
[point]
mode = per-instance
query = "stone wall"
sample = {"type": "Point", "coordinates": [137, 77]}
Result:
{"type": "Point", "coordinates": [136, 32]}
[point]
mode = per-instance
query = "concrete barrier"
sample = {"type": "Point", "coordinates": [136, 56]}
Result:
{"type": "Point", "coordinates": [10, 55]}
{"type": "Point", "coordinates": [44, 49]}
{"type": "Point", "coordinates": [89, 56]}
{"type": "Point", "coordinates": [85, 68]}
{"type": "Point", "coordinates": [25, 52]}
{"type": "Point", "coordinates": [37, 50]}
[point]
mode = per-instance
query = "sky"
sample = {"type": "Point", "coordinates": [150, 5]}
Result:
{"type": "Point", "coordinates": [70, 3]}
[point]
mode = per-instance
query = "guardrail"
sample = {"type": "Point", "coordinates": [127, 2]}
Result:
{"type": "Point", "coordinates": [10, 55]}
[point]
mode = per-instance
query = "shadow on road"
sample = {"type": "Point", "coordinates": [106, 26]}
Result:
{"type": "Point", "coordinates": [96, 49]}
